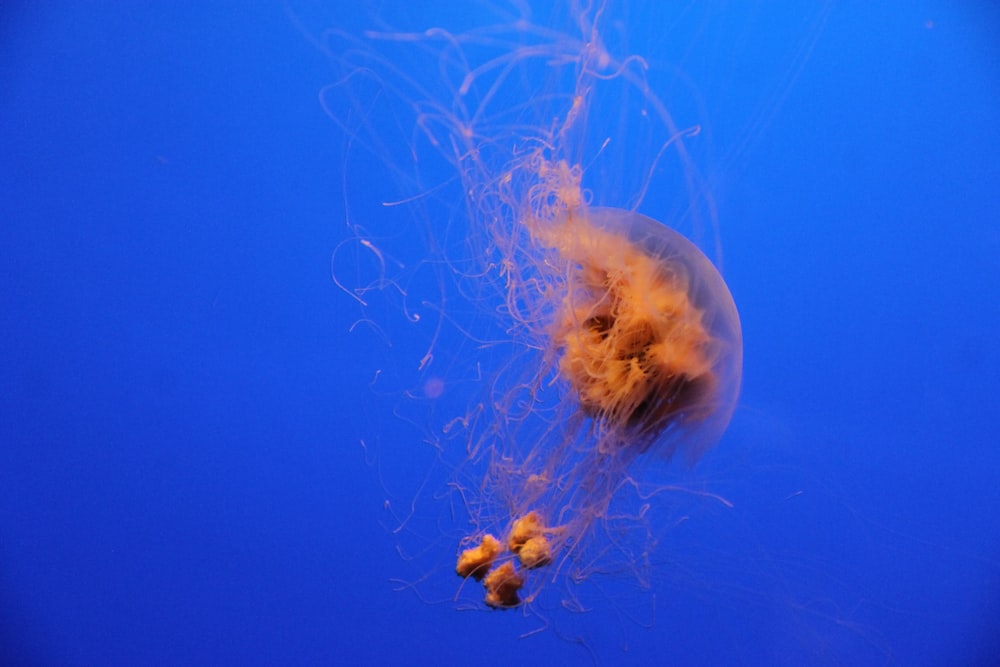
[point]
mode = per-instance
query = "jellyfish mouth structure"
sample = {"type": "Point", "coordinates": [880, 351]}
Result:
{"type": "Point", "coordinates": [529, 545]}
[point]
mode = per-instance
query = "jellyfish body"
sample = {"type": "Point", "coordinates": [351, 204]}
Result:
{"type": "Point", "coordinates": [649, 346]}
{"type": "Point", "coordinates": [649, 334]}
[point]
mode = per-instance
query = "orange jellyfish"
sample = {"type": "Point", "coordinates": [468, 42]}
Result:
{"type": "Point", "coordinates": [616, 341]}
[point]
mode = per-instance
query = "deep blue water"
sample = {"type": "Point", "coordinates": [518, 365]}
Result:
{"type": "Point", "coordinates": [182, 403]}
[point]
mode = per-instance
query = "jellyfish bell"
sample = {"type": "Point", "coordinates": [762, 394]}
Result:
{"type": "Point", "coordinates": [646, 332]}
{"type": "Point", "coordinates": [648, 335]}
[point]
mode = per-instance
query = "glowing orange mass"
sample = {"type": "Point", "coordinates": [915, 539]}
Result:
{"type": "Point", "coordinates": [615, 341]}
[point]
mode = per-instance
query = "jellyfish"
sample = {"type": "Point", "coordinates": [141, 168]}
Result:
{"type": "Point", "coordinates": [612, 340]}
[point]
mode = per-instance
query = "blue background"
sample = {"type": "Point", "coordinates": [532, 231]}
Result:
{"type": "Point", "coordinates": [181, 479]}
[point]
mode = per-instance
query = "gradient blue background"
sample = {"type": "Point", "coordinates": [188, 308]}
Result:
{"type": "Point", "coordinates": [180, 476]}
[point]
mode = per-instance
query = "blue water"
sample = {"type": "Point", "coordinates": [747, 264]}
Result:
{"type": "Point", "coordinates": [182, 480]}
